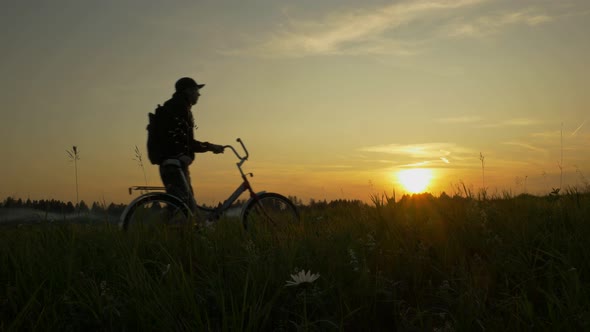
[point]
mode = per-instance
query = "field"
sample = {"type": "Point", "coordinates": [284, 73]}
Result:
{"type": "Point", "coordinates": [423, 263]}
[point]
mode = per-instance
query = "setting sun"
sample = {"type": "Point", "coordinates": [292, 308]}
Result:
{"type": "Point", "coordinates": [415, 180]}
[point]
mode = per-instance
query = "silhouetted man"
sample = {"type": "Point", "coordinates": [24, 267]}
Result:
{"type": "Point", "coordinates": [179, 145]}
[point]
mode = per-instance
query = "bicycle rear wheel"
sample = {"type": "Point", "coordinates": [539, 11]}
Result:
{"type": "Point", "coordinates": [270, 212]}
{"type": "Point", "coordinates": [153, 211]}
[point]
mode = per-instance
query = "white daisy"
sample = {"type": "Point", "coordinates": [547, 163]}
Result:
{"type": "Point", "coordinates": [301, 278]}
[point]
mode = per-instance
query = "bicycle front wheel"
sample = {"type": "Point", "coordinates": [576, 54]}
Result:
{"type": "Point", "coordinates": [155, 210]}
{"type": "Point", "coordinates": [270, 211]}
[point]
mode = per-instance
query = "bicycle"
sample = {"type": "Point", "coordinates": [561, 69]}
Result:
{"type": "Point", "coordinates": [156, 208]}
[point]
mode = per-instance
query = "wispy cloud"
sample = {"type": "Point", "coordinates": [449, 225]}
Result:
{"type": "Point", "coordinates": [486, 25]}
{"type": "Point", "coordinates": [380, 30]}
{"type": "Point", "coordinates": [479, 122]}
{"type": "Point", "coordinates": [516, 122]}
{"type": "Point", "coordinates": [578, 129]}
{"type": "Point", "coordinates": [546, 134]}
{"type": "Point", "coordinates": [358, 30]}
{"type": "Point", "coordinates": [420, 164]}
{"type": "Point", "coordinates": [527, 146]}
{"type": "Point", "coordinates": [555, 134]}
{"type": "Point", "coordinates": [412, 155]}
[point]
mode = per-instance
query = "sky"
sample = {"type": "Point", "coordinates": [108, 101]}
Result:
{"type": "Point", "coordinates": [334, 99]}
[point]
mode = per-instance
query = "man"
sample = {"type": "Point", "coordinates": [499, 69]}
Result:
{"type": "Point", "coordinates": [179, 146]}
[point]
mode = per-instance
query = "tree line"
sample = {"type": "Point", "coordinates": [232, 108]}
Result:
{"type": "Point", "coordinates": [57, 206]}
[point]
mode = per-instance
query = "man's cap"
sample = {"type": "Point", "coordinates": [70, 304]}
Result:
{"type": "Point", "coordinates": [187, 82]}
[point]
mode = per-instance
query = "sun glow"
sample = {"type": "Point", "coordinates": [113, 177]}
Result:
{"type": "Point", "coordinates": [415, 180]}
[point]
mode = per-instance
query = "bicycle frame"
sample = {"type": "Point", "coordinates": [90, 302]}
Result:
{"type": "Point", "coordinates": [243, 187]}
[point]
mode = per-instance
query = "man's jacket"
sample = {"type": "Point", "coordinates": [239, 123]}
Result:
{"type": "Point", "coordinates": [178, 130]}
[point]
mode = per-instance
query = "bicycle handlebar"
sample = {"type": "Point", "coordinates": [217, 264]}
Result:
{"type": "Point", "coordinates": [242, 159]}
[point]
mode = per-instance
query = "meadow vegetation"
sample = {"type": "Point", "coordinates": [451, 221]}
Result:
{"type": "Point", "coordinates": [421, 263]}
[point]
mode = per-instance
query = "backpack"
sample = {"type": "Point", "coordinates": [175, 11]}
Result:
{"type": "Point", "coordinates": [155, 139]}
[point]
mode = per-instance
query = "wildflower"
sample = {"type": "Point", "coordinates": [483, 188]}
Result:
{"type": "Point", "coordinates": [166, 270]}
{"type": "Point", "coordinates": [301, 278]}
{"type": "Point", "coordinates": [103, 288]}
{"type": "Point", "coordinates": [353, 259]}
{"type": "Point", "coordinates": [444, 289]}
{"type": "Point", "coordinates": [484, 217]}
{"type": "Point", "coordinates": [250, 247]}
{"type": "Point", "coordinates": [370, 242]}
{"type": "Point", "coordinates": [252, 251]}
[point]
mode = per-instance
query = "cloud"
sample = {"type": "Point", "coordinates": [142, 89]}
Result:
{"type": "Point", "coordinates": [487, 25]}
{"type": "Point", "coordinates": [356, 31]}
{"type": "Point", "coordinates": [516, 122]}
{"type": "Point", "coordinates": [402, 28]}
{"type": "Point", "coordinates": [526, 146]}
{"type": "Point", "coordinates": [520, 122]}
{"type": "Point", "coordinates": [547, 134]}
{"type": "Point", "coordinates": [578, 129]}
{"type": "Point", "coordinates": [412, 155]}
{"type": "Point", "coordinates": [420, 164]}
{"type": "Point", "coordinates": [556, 134]}
{"type": "Point", "coordinates": [479, 122]}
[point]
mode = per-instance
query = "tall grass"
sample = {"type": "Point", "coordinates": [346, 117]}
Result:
{"type": "Point", "coordinates": [74, 156]}
{"type": "Point", "coordinates": [139, 159]}
{"type": "Point", "coordinates": [419, 264]}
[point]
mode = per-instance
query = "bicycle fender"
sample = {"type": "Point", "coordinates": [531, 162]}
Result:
{"type": "Point", "coordinates": [139, 198]}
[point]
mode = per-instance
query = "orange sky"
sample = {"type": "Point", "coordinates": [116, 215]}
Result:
{"type": "Point", "coordinates": [333, 99]}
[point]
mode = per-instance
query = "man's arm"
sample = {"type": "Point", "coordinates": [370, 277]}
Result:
{"type": "Point", "coordinates": [200, 147]}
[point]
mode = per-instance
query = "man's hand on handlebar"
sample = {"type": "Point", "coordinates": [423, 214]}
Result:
{"type": "Point", "coordinates": [216, 148]}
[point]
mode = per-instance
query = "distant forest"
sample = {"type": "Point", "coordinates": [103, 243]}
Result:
{"type": "Point", "coordinates": [57, 206]}
{"type": "Point", "coordinates": [61, 207]}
